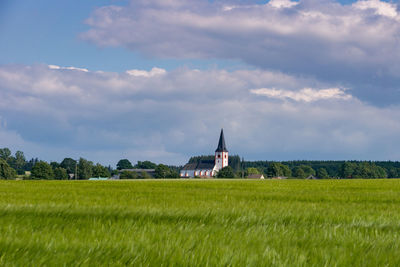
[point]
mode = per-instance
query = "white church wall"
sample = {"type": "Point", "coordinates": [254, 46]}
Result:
{"type": "Point", "coordinates": [221, 160]}
{"type": "Point", "coordinates": [187, 173]}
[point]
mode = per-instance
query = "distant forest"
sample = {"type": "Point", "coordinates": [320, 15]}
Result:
{"type": "Point", "coordinates": [317, 168]}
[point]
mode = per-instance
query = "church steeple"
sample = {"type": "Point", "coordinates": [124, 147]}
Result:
{"type": "Point", "coordinates": [221, 144]}
{"type": "Point", "coordinates": [221, 154]}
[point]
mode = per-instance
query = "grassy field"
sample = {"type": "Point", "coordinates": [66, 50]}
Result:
{"type": "Point", "coordinates": [200, 223]}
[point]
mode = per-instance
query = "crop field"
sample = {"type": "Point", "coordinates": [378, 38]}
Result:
{"type": "Point", "coordinates": [200, 223]}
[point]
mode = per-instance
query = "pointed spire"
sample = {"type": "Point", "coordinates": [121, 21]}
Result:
{"type": "Point", "coordinates": [221, 144]}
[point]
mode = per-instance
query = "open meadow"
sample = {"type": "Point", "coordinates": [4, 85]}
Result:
{"type": "Point", "coordinates": [198, 223]}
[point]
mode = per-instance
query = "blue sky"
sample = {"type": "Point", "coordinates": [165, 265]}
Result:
{"type": "Point", "coordinates": [48, 31]}
{"type": "Point", "coordinates": [156, 80]}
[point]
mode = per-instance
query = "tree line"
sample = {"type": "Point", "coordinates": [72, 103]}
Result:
{"type": "Point", "coordinates": [13, 165]}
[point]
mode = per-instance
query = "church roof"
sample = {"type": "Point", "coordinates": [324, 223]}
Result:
{"type": "Point", "coordinates": [201, 165]}
{"type": "Point", "coordinates": [206, 164]}
{"type": "Point", "coordinates": [221, 144]}
{"type": "Point", "coordinates": [190, 166]}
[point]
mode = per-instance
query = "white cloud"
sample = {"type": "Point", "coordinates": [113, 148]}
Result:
{"type": "Point", "coordinates": [380, 7]}
{"type": "Point", "coordinates": [228, 8]}
{"type": "Point", "coordinates": [282, 3]}
{"type": "Point", "coordinates": [305, 94]}
{"type": "Point", "coordinates": [55, 67]}
{"type": "Point", "coordinates": [143, 73]}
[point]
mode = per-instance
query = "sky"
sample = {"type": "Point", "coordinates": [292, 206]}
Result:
{"type": "Point", "coordinates": [158, 79]}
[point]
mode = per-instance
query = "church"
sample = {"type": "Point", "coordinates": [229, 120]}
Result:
{"type": "Point", "coordinates": [207, 169]}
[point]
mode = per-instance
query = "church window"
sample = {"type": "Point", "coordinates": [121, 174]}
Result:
{"type": "Point", "coordinates": [219, 156]}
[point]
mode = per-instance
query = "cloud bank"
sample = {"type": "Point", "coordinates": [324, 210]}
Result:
{"type": "Point", "coordinates": [357, 45]}
{"type": "Point", "coordinates": [168, 116]}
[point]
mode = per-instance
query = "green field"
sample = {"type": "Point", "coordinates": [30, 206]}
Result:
{"type": "Point", "coordinates": [200, 223]}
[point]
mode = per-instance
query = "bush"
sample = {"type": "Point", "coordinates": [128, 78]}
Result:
{"type": "Point", "coordinates": [226, 172]}
{"type": "Point", "coordinates": [128, 175]}
{"type": "Point", "coordinates": [100, 171]}
{"type": "Point", "coordinates": [145, 175]}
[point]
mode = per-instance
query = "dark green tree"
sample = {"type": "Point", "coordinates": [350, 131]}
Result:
{"type": "Point", "coordinates": [5, 153]}
{"type": "Point", "coordinates": [11, 162]}
{"type": "Point", "coordinates": [274, 170]}
{"type": "Point", "coordinates": [100, 171]}
{"type": "Point", "coordinates": [308, 170]}
{"type": "Point", "coordinates": [322, 173]}
{"type": "Point", "coordinates": [42, 170]}
{"type": "Point", "coordinates": [392, 173]}
{"type": "Point", "coordinates": [226, 172]}
{"type": "Point", "coordinates": [124, 164]}
{"type": "Point", "coordinates": [347, 170]}
{"type": "Point", "coordinates": [286, 170]}
{"type": "Point", "coordinates": [278, 169]}
{"type": "Point", "coordinates": [68, 164]}
{"type": "Point", "coordinates": [235, 162]}
{"type": "Point", "coordinates": [145, 165]}
{"type": "Point", "coordinates": [29, 165]}
{"type": "Point", "coordinates": [368, 170]}
{"type": "Point", "coordinates": [6, 172]}
{"type": "Point", "coordinates": [362, 170]}
{"type": "Point", "coordinates": [380, 172]}
{"type": "Point", "coordinates": [252, 170]}
{"type": "Point", "coordinates": [173, 174]}
{"type": "Point", "coordinates": [19, 162]}
{"type": "Point", "coordinates": [85, 168]}
{"type": "Point", "coordinates": [162, 171]}
{"type": "Point", "coordinates": [60, 174]}
{"type": "Point", "coordinates": [54, 165]}
{"type": "Point", "coordinates": [299, 173]}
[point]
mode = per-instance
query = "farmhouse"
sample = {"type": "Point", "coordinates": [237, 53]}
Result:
{"type": "Point", "coordinates": [312, 177]}
{"type": "Point", "coordinates": [206, 169]}
{"type": "Point", "coordinates": [255, 176]}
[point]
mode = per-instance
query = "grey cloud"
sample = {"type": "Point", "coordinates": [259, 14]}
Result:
{"type": "Point", "coordinates": [355, 45]}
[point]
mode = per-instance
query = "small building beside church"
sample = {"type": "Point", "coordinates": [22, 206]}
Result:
{"type": "Point", "coordinates": [255, 176]}
{"type": "Point", "coordinates": [205, 168]}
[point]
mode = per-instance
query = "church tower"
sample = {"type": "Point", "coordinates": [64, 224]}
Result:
{"type": "Point", "coordinates": [221, 154]}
